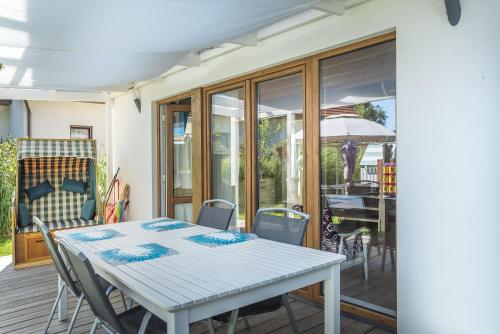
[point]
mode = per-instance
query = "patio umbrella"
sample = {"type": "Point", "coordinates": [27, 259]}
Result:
{"type": "Point", "coordinates": [350, 128]}
{"type": "Point", "coordinates": [340, 128]}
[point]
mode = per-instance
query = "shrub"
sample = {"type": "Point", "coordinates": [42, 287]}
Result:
{"type": "Point", "coordinates": [101, 174]}
{"type": "Point", "coordinates": [7, 184]}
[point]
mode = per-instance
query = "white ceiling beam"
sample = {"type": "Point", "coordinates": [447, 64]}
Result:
{"type": "Point", "coordinates": [353, 3]}
{"type": "Point", "coordinates": [52, 95]}
{"type": "Point", "coordinates": [248, 40]}
{"type": "Point", "coordinates": [335, 7]}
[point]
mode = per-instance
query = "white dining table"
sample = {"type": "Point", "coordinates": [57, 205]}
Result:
{"type": "Point", "coordinates": [200, 281]}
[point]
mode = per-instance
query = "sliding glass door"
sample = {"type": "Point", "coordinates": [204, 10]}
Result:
{"type": "Point", "coordinates": [175, 147]}
{"type": "Point", "coordinates": [279, 147]}
{"type": "Point", "coordinates": [227, 163]}
{"type": "Point", "coordinates": [317, 135]}
{"type": "Point", "coordinates": [357, 169]}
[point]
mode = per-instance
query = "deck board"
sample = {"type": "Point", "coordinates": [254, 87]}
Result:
{"type": "Point", "coordinates": [27, 295]}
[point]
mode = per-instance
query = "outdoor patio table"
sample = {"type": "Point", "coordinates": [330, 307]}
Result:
{"type": "Point", "coordinates": [197, 282]}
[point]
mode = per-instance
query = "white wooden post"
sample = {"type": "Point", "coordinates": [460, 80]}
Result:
{"type": "Point", "coordinates": [332, 301]}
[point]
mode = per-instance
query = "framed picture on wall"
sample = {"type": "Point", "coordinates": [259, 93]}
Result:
{"type": "Point", "coordinates": [80, 132]}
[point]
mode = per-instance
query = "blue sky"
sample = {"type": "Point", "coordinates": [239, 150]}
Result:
{"type": "Point", "coordinates": [389, 106]}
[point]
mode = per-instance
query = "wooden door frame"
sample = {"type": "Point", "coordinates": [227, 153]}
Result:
{"type": "Point", "coordinates": [169, 110]}
{"type": "Point", "coordinates": [280, 73]}
{"type": "Point", "coordinates": [207, 140]}
{"type": "Point", "coordinates": [158, 105]}
{"type": "Point", "coordinates": [197, 152]}
{"type": "Point", "coordinates": [309, 66]}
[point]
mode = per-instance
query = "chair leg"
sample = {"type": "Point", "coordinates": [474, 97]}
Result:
{"type": "Point", "coordinates": [130, 303]}
{"type": "Point", "coordinates": [210, 325]}
{"type": "Point", "coordinates": [109, 290]}
{"type": "Point", "coordinates": [123, 300]}
{"type": "Point", "coordinates": [393, 261]}
{"type": "Point", "coordinates": [75, 314]}
{"type": "Point", "coordinates": [94, 326]}
{"type": "Point", "coordinates": [232, 321]}
{"type": "Point", "coordinates": [247, 324]}
{"type": "Point", "coordinates": [54, 308]}
{"type": "Point", "coordinates": [145, 322]}
{"type": "Point", "coordinates": [365, 260]}
{"type": "Point", "coordinates": [289, 312]}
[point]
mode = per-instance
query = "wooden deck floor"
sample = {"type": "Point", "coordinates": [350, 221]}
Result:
{"type": "Point", "coordinates": [26, 297]}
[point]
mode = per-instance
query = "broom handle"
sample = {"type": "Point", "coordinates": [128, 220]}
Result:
{"type": "Point", "coordinates": [112, 185]}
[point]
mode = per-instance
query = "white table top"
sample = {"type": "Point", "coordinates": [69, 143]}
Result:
{"type": "Point", "coordinates": [198, 274]}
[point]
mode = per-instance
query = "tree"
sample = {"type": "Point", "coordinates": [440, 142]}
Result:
{"type": "Point", "coordinates": [372, 112]}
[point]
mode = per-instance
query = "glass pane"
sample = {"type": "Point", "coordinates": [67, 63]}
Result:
{"type": "Point", "coordinates": [163, 160]}
{"type": "Point", "coordinates": [79, 133]}
{"type": "Point", "coordinates": [358, 163]}
{"type": "Point", "coordinates": [182, 153]}
{"type": "Point", "coordinates": [184, 212]}
{"type": "Point", "coordinates": [279, 142]}
{"type": "Point", "coordinates": [228, 160]}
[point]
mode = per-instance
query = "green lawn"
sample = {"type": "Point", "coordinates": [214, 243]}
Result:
{"type": "Point", "coordinates": [5, 246]}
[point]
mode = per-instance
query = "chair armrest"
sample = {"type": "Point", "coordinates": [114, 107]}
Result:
{"type": "Point", "coordinates": [358, 231]}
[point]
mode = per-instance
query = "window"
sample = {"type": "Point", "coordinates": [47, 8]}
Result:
{"type": "Point", "coordinates": [358, 140]}
{"type": "Point", "coordinates": [227, 150]}
{"type": "Point", "coordinates": [279, 142]}
{"type": "Point", "coordinates": [80, 132]}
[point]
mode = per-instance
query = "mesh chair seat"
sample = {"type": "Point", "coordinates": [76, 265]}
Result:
{"type": "Point", "coordinates": [265, 306]}
{"type": "Point", "coordinates": [126, 322]}
{"type": "Point", "coordinates": [72, 285]}
{"type": "Point", "coordinates": [131, 321]}
{"type": "Point", "coordinates": [281, 225]}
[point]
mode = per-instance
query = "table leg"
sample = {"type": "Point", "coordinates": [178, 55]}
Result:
{"type": "Point", "coordinates": [332, 301]}
{"type": "Point", "coordinates": [178, 322]}
{"type": "Point", "coordinates": [63, 302]}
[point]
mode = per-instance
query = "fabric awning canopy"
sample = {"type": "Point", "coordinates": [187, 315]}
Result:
{"type": "Point", "coordinates": [46, 148]}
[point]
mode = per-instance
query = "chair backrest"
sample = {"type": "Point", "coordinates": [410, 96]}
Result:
{"type": "Point", "coordinates": [281, 224]}
{"type": "Point", "coordinates": [94, 292]}
{"type": "Point", "coordinates": [216, 213]}
{"type": "Point", "coordinates": [57, 259]}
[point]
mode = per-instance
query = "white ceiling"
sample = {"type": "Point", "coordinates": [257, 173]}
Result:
{"type": "Point", "coordinates": [96, 45]}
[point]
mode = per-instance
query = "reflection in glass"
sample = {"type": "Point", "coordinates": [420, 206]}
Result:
{"type": "Point", "coordinates": [358, 158]}
{"type": "Point", "coordinates": [182, 133]}
{"type": "Point", "coordinates": [279, 150]}
{"type": "Point", "coordinates": [183, 211]}
{"type": "Point", "coordinates": [227, 149]}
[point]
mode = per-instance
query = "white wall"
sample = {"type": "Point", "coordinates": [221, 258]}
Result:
{"type": "Point", "coordinates": [4, 121]}
{"type": "Point", "coordinates": [52, 119]}
{"type": "Point", "coordinates": [448, 120]}
{"type": "Point", "coordinates": [18, 119]}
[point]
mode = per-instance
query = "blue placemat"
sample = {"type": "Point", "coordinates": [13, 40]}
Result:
{"type": "Point", "coordinates": [165, 225]}
{"type": "Point", "coordinates": [137, 253]}
{"type": "Point", "coordinates": [221, 238]}
{"type": "Point", "coordinates": [95, 235]}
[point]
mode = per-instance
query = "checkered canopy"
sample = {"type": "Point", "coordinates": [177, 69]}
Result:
{"type": "Point", "coordinates": [47, 148]}
{"type": "Point", "coordinates": [52, 161]}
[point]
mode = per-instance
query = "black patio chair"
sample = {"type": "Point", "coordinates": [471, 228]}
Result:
{"type": "Point", "coordinates": [216, 213]}
{"type": "Point", "coordinates": [64, 273]}
{"type": "Point", "coordinates": [134, 320]}
{"type": "Point", "coordinates": [277, 224]}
